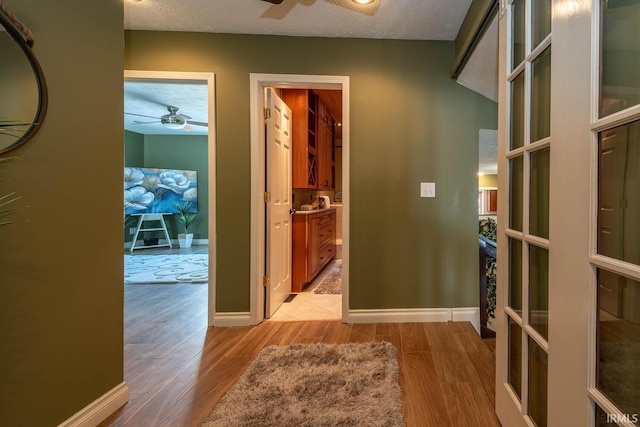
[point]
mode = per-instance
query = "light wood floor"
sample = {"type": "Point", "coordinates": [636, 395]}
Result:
{"type": "Point", "coordinates": [177, 368]}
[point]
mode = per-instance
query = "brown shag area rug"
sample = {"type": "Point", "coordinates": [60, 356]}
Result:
{"type": "Point", "coordinates": [315, 385]}
{"type": "Point", "coordinates": [332, 282]}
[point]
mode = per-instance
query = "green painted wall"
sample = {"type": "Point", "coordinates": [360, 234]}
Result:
{"type": "Point", "coordinates": [182, 152]}
{"type": "Point", "coordinates": [61, 265]}
{"type": "Point", "coordinates": [134, 157]}
{"type": "Point", "coordinates": [409, 123]}
{"type": "Point", "coordinates": [133, 149]}
{"type": "Point", "coordinates": [488, 181]}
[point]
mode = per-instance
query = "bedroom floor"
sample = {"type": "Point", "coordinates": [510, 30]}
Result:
{"type": "Point", "coordinates": [305, 306]}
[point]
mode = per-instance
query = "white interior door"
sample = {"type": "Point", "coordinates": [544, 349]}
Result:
{"type": "Point", "coordinates": [278, 202]}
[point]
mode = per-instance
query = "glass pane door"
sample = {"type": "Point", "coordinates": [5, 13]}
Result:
{"type": "Point", "coordinates": [615, 390]}
{"type": "Point", "coordinates": [528, 149]}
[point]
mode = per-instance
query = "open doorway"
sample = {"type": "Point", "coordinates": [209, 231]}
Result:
{"type": "Point", "coordinates": [315, 214]}
{"type": "Point", "coordinates": [259, 82]}
{"type": "Point", "coordinates": [487, 227]}
{"type": "Point", "coordinates": [169, 186]}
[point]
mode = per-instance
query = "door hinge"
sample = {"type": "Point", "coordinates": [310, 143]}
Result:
{"type": "Point", "coordinates": [267, 113]}
{"type": "Point", "coordinates": [267, 196]}
{"type": "Point", "coordinates": [266, 281]}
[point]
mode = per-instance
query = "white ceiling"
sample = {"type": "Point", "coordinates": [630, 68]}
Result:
{"type": "Point", "coordinates": [488, 151]}
{"type": "Point", "coordinates": [383, 19]}
{"type": "Point", "coordinates": [151, 99]}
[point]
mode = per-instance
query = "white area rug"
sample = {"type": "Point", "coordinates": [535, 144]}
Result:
{"type": "Point", "coordinates": [166, 269]}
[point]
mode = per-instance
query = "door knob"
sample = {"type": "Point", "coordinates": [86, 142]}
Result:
{"type": "Point", "coordinates": [292, 211]}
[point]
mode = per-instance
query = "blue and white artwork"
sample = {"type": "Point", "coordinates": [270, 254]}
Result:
{"type": "Point", "coordinates": [149, 190]}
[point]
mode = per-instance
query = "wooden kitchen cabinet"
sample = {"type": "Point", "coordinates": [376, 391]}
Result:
{"type": "Point", "coordinates": [312, 163]}
{"type": "Point", "coordinates": [325, 148]}
{"type": "Point", "coordinates": [314, 245]}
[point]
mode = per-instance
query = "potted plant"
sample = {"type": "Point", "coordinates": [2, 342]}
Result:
{"type": "Point", "coordinates": [185, 216]}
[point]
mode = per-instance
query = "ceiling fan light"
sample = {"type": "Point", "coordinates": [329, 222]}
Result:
{"type": "Point", "coordinates": [363, 1]}
{"type": "Point", "coordinates": [173, 124]}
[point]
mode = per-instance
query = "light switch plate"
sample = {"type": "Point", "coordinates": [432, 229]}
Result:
{"type": "Point", "coordinates": [428, 189]}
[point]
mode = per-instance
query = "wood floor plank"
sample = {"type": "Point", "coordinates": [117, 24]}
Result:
{"type": "Point", "coordinates": [200, 399]}
{"type": "Point", "coordinates": [254, 340]}
{"type": "Point", "coordinates": [387, 328]}
{"type": "Point", "coordinates": [337, 333]}
{"type": "Point", "coordinates": [468, 406]}
{"type": "Point", "coordinates": [423, 394]}
{"type": "Point", "coordinates": [414, 337]}
{"type": "Point", "coordinates": [311, 331]}
{"type": "Point", "coordinates": [284, 335]}
{"type": "Point", "coordinates": [362, 332]}
{"type": "Point", "coordinates": [177, 368]}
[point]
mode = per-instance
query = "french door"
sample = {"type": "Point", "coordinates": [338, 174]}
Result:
{"type": "Point", "coordinates": [568, 306]}
{"type": "Point", "coordinates": [526, 152]}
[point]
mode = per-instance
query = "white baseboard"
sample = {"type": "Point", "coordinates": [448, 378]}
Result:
{"type": "Point", "coordinates": [193, 242]}
{"type": "Point", "coordinates": [402, 315]}
{"type": "Point", "coordinates": [240, 318]}
{"type": "Point", "coordinates": [467, 314]}
{"type": "Point", "coordinates": [98, 410]}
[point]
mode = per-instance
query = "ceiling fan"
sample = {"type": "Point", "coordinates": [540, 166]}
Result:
{"type": "Point", "coordinates": [173, 120]}
{"type": "Point", "coordinates": [366, 7]}
{"type": "Point", "coordinates": [356, 1]}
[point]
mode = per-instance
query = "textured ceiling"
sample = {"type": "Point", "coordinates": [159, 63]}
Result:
{"type": "Point", "coordinates": [383, 19]}
{"type": "Point", "coordinates": [488, 151]}
{"type": "Point", "coordinates": [151, 99]}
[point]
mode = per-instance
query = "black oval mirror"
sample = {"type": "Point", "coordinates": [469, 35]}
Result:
{"type": "Point", "coordinates": [23, 91]}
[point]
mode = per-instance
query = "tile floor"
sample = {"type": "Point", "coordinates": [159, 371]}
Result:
{"type": "Point", "coordinates": [309, 306]}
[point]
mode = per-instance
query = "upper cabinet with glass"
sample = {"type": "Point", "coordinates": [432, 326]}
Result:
{"type": "Point", "coordinates": [620, 55]}
{"type": "Point", "coordinates": [22, 86]}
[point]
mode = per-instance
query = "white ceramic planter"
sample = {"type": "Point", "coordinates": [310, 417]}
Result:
{"type": "Point", "coordinates": [185, 240]}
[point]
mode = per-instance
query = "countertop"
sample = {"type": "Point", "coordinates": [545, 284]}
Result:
{"type": "Point", "coordinates": [315, 211]}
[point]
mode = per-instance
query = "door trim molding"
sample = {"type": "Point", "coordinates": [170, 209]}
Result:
{"type": "Point", "coordinates": [258, 82]}
{"type": "Point", "coordinates": [211, 160]}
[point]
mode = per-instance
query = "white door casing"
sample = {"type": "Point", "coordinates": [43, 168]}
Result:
{"type": "Point", "coordinates": [258, 84]}
{"type": "Point", "coordinates": [278, 203]}
{"type": "Point", "coordinates": [209, 79]}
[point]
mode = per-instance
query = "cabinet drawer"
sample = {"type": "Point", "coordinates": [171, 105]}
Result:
{"type": "Point", "coordinates": [327, 218]}
{"type": "Point", "coordinates": [325, 230]}
{"type": "Point", "coordinates": [326, 237]}
{"type": "Point", "coordinates": [326, 253]}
